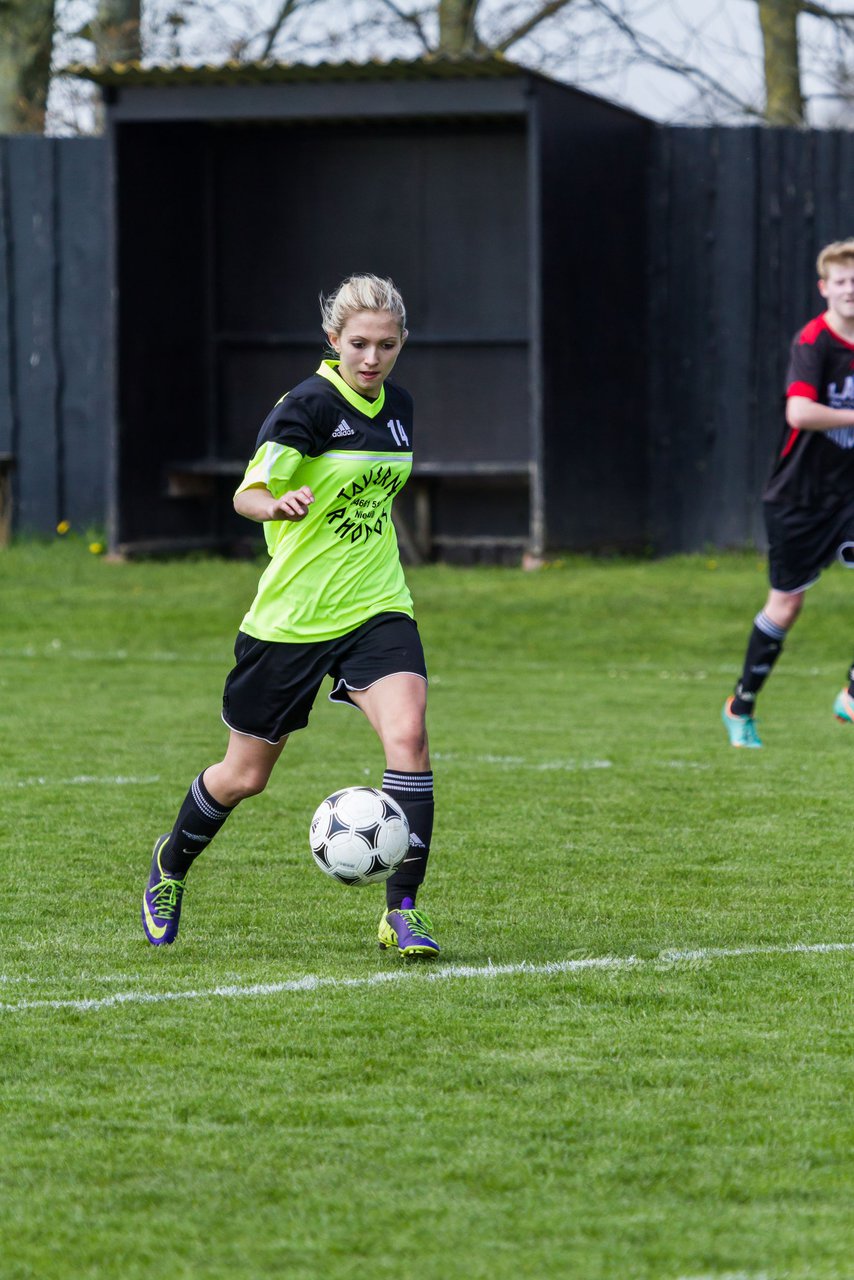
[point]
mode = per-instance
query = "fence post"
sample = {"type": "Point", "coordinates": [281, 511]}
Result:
{"type": "Point", "coordinates": [7, 462]}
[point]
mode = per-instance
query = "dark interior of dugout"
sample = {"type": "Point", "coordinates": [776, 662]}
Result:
{"type": "Point", "coordinates": [516, 238]}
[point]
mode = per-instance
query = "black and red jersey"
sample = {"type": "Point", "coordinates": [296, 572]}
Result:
{"type": "Point", "coordinates": [816, 468]}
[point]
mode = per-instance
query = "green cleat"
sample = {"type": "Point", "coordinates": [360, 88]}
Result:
{"type": "Point", "coordinates": [843, 707]}
{"type": "Point", "coordinates": [740, 729]}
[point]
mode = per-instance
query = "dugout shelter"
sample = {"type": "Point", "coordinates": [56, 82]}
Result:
{"type": "Point", "coordinates": [509, 209]}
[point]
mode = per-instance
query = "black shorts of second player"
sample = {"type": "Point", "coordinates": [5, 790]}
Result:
{"type": "Point", "coordinates": [271, 689]}
{"type": "Point", "coordinates": [804, 540]}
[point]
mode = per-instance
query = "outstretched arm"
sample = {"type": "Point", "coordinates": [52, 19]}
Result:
{"type": "Point", "coordinates": [257, 503]}
{"type": "Point", "coordinates": [808, 415]}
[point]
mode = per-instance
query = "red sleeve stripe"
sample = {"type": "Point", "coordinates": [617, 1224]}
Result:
{"type": "Point", "coordinates": [802, 389]}
{"type": "Point", "coordinates": [790, 443]}
{"type": "Point", "coordinates": [811, 332]}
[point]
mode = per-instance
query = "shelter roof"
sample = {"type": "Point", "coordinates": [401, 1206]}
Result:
{"type": "Point", "coordinates": [430, 67]}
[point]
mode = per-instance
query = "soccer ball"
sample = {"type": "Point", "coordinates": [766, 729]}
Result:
{"type": "Point", "coordinates": [359, 835]}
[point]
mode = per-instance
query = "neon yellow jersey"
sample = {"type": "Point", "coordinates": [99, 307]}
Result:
{"type": "Point", "coordinates": [340, 565]}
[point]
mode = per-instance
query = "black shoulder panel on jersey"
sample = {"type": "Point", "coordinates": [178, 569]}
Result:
{"type": "Point", "coordinates": [299, 420]}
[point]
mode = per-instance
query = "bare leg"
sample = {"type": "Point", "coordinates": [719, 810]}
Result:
{"type": "Point", "coordinates": [783, 607]}
{"type": "Point", "coordinates": [244, 770]}
{"type": "Point", "coordinates": [396, 708]}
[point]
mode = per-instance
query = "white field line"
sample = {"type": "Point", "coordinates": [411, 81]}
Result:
{"type": "Point", "coordinates": [731, 1275]}
{"type": "Point", "coordinates": [713, 670]}
{"type": "Point", "coordinates": [520, 762]}
{"type": "Point", "coordinates": [445, 973]}
{"type": "Point", "coordinates": [83, 780]}
{"type": "Point", "coordinates": [501, 762]}
{"type": "Point", "coordinates": [56, 649]}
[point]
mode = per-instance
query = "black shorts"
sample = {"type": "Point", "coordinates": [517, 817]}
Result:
{"type": "Point", "coordinates": [804, 540]}
{"type": "Point", "coordinates": [272, 687]}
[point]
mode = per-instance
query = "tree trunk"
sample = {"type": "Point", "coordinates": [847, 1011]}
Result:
{"type": "Point", "coordinates": [784, 103]}
{"type": "Point", "coordinates": [457, 30]}
{"type": "Point", "coordinates": [26, 43]}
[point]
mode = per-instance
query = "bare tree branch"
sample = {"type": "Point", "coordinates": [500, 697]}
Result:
{"type": "Point", "coordinates": [535, 20]}
{"type": "Point", "coordinates": [412, 20]}
{"type": "Point", "coordinates": [278, 22]}
{"type": "Point", "coordinates": [821, 11]}
{"type": "Point", "coordinates": [653, 53]}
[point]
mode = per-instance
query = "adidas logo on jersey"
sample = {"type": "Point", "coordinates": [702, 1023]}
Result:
{"type": "Point", "coordinates": [343, 429]}
{"type": "Point", "coordinates": [415, 842]}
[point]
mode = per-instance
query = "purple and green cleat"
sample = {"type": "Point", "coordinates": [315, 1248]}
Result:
{"type": "Point", "coordinates": [161, 902]}
{"type": "Point", "coordinates": [408, 930]}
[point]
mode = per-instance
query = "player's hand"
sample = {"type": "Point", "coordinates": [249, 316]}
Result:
{"type": "Point", "coordinates": [293, 505]}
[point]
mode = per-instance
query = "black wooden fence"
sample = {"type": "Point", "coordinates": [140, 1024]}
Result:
{"type": "Point", "coordinates": [734, 220]}
{"type": "Point", "coordinates": [54, 315]}
{"type": "Point", "coordinates": [736, 217]}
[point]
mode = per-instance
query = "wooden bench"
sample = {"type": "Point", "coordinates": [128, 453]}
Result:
{"type": "Point", "coordinates": [199, 478]}
{"type": "Point", "coordinates": [420, 541]}
{"type": "Point", "coordinates": [7, 466]}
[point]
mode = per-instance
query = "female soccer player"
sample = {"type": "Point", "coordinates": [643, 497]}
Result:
{"type": "Point", "coordinates": [333, 600]}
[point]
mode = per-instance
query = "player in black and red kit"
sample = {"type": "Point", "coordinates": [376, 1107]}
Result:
{"type": "Point", "coordinates": [809, 497]}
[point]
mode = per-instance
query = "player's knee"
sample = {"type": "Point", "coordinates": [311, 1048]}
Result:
{"type": "Point", "coordinates": [783, 609]}
{"type": "Point", "coordinates": [246, 782]}
{"type": "Point", "coordinates": [407, 740]}
{"type": "Point", "coordinates": [791, 608]}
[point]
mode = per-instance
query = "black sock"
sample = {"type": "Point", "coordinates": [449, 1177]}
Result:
{"type": "Point", "coordinates": [851, 681]}
{"type": "Point", "coordinates": [414, 793]}
{"type": "Point", "coordinates": [763, 650]}
{"type": "Point", "coordinates": [199, 819]}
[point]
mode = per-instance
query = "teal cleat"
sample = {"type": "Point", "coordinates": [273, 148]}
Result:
{"type": "Point", "coordinates": [843, 707]}
{"type": "Point", "coordinates": [741, 729]}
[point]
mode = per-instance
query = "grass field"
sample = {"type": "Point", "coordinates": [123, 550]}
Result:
{"type": "Point", "coordinates": [634, 1059]}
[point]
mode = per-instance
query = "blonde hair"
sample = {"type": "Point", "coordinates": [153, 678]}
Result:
{"type": "Point", "coordinates": [833, 255]}
{"type": "Point", "coordinates": [361, 293]}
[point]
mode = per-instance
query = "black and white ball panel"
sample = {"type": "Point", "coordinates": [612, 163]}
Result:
{"type": "Point", "coordinates": [359, 835]}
